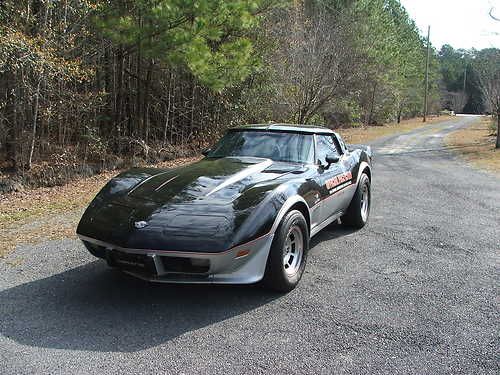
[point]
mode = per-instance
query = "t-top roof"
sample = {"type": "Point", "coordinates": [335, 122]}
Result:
{"type": "Point", "coordinates": [297, 128]}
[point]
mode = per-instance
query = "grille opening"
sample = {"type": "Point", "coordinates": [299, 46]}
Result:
{"type": "Point", "coordinates": [138, 263]}
{"type": "Point", "coordinates": [185, 265]}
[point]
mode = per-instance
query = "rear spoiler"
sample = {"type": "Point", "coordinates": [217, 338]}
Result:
{"type": "Point", "coordinates": [365, 148]}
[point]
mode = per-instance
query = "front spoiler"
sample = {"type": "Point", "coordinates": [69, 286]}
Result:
{"type": "Point", "coordinates": [224, 267]}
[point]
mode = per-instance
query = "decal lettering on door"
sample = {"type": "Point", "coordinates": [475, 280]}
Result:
{"type": "Point", "coordinates": [339, 181]}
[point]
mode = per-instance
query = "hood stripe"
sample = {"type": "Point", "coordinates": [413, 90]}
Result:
{"type": "Point", "coordinates": [256, 168]}
{"type": "Point", "coordinates": [146, 180]}
{"type": "Point", "coordinates": [166, 182]}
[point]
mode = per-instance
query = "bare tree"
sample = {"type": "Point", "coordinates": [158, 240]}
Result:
{"type": "Point", "coordinates": [455, 100]}
{"type": "Point", "coordinates": [314, 63]}
{"type": "Point", "coordinates": [488, 69]}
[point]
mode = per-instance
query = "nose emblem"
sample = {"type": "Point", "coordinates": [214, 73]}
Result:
{"type": "Point", "coordinates": [140, 224]}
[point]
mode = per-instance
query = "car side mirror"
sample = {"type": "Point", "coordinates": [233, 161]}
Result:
{"type": "Point", "coordinates": [331, 159]}
{"type": "Point", "coordinates": [206, 151]}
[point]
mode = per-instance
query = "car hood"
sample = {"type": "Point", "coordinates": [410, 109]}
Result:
{"type": "Point", "coordinates": [219, 180]}
{"type": "Point", "coordinates": [172, 209]}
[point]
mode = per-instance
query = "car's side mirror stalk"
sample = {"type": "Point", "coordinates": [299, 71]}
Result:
{"type": "Point", "coordinates": [330, 159]}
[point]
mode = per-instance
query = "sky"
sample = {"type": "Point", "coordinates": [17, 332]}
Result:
{"type": "Point", "coordinates": [460, 23]}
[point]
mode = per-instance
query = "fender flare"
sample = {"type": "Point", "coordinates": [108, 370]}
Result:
{"type": "Point", "coordinates": [362, 166]}
{"type": "Point", "coordinates": [286, 207]}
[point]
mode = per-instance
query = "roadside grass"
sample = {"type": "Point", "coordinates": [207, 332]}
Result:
{"type": "Point", "coordinates": [52, 213]}
{"type": "Point", "coordinates": [476, 144]}
{"type": "Point", "coordinates": [364, 134]}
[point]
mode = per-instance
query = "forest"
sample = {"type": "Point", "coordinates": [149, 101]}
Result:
{"type": "Point", "coordinates": [88, 85]}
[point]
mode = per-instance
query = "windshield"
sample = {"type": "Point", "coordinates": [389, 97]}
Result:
{"type": "Point", "coordinates": [277, 146]}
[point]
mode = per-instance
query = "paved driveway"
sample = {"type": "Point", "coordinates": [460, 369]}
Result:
{"type": "Point", "coordinates": [416, 291]}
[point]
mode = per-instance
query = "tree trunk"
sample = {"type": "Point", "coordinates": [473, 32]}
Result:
{"type": "Point", "coordinates": [372, 105]}
{"type": "Point", "coordinates": [118, 102]}
{"type": "Point", "coordinates": [498, 128]}
{"type": "Point", "coordinates": [11, 141]}
{"type": "Point", "coordinates": [106, 122]}
{"type": "Point", "coordinates": [167, 118]}
{"type": "Point", "coordinates": [35, 116]}
{"type": "Point", "coordinates": [145, 100]}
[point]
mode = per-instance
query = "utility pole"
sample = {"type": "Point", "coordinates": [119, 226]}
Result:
{"type": "Point", "coordinates": [427, 73]}
{"type": "Point", "coordinates": [465, 74]}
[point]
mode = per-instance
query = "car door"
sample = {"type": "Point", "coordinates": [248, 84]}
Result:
{"type": "Point", "coordinates": [332, 178]}
{"type": "Point", "coordinates": [349, 163]}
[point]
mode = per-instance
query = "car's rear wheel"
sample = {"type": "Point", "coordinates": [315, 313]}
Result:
{"type": "Point", "coordinates": [359, 210]}
{"type": "Point", "coordinates": [288, 255]}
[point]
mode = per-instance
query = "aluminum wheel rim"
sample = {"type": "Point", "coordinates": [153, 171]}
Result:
{"type": "Point", "coordinates": [365, 202]}
{"type": "Point", "coordinates": [293, 250]}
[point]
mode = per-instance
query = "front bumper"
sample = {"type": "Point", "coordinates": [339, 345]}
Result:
{"type": "Point", "coordinates": [243, 264]}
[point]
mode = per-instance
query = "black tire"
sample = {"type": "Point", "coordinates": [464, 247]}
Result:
{"type": "Point", "coordinates": [354, 214]}
{"type": "Point", "coordinates": [278, 276]}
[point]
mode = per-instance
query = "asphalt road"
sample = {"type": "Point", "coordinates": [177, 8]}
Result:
{"type": "Point", "coordinates": [414, 292]}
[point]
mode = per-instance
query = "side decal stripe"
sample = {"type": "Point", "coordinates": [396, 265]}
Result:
{"type": "Point", "coordinates": [333, 194]}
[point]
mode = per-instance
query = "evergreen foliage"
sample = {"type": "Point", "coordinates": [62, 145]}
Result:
{"type": "Point", "coordinates": [96, 81]}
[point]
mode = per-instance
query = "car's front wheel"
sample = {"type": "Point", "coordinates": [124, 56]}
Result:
{"type": "Point", "coordinates": [288, 255]}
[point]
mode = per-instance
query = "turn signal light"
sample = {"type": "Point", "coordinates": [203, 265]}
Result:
{"type": "Point", "coordinates": [242, 253]}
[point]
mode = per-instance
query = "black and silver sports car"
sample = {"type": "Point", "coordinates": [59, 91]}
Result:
{"type": "Point", "coordinates": [242, 214]}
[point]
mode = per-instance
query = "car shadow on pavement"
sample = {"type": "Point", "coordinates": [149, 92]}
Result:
{"type": "Point", "coordinates": [331, 232]}
{"type": "Point", "coordinates": [94, 308]}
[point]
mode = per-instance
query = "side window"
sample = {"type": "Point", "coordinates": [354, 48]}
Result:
{"type": "Point", "coordinates": [325, 145]}
{"type": "Point", "coordinates": [341, 143]}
